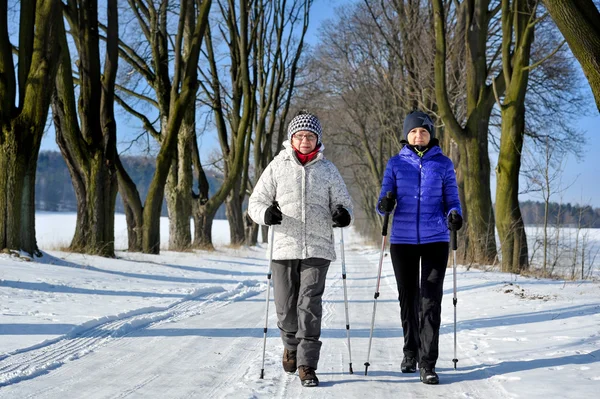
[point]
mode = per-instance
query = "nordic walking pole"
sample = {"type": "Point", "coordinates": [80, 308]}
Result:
{"type": "Point", "coordinates": [262, 370]}
{"type": "Point", "coordinates": [454, 246]}
{"type": "Point", "coordinates": [346, 297]}
{"type": "Point", "coordinates": [386, 219]}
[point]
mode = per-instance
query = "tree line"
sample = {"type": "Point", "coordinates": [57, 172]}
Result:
{"type": "Point", "coordinates": [491, 72]}
{"type": "Point", "coordinates": [54, 189]}
{"type": "Point", "coordinates": [54, 193]}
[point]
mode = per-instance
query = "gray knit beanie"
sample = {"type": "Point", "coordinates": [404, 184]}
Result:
{"type": "Point", "coordinates": [418, 119]}
{"type": "Point", "coordinates": [304, 120]}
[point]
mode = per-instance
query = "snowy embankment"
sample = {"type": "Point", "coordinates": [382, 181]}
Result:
{"type": "Point", "coordinates": [190, 325]}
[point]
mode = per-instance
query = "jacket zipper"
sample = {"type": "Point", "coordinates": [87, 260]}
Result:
{"type": "Point", "coordinates": [419, 202]}
{"type": "Point", "coordinates": [304, 249]}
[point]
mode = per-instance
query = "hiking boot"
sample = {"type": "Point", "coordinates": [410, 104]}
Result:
{"type": "Point", "coordinates": [289, 361]}
{"type": "Point", "coordinates": [429, 376]}
{"type": "Point", "coordinates": [409, 365]}
{"type": "Point", "coordinates": [308, 378]}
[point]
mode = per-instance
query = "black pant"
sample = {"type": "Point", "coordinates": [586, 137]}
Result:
{"type": "Point", "coordinates": [420, 307]}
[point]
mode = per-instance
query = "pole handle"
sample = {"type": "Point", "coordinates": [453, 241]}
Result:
{"type": "Point", "coordinates": [453, 234]}
{"type": "Point", "coordinates": [453, 240]}
{"type": "Point", "coordinates": [386, 217]}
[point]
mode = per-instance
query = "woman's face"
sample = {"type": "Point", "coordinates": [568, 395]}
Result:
{"type": "Point", "coordinates": [418, 136]}
{"type": "Point", "coordinates": [304, 141]}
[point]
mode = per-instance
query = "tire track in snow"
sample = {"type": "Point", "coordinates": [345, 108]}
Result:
{"type": "Point", "coordinates": [43, 358]}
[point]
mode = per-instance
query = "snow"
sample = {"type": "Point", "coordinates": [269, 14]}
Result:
{"type": "Point", "coordinates": [190, 325]}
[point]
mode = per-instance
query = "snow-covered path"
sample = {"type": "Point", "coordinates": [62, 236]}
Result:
{"type": "Point", "coordinates": [190, 326]}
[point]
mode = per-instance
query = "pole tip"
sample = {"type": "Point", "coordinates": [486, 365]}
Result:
{"type": "Point", "coordinates": [367, 364]}
{"type": "Point", "coordinates": [262, 374]}
{"type": "Point", "coordinates": [455, 361]}
{"type": "Point", "coordinates": [351, 371]}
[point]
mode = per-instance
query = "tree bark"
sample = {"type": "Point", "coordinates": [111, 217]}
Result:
{"type": "Point", "coordinates": [518, 28]}
{"type": "Point", "coordinates": [579, 22]}
{"type": "Point", "coordinates": [134, 210]}
{"type": "Point", "coordinates": [477, 195]}
{"type": "Point", "coordinates": [22, 126]}
{"type": "Point", "coordinates": [203, 221]}
{"type": "Point", "coordinates": [179, 188]}
{"type": "Point", "coordinates": [233, 209]}
{"type": "Point", "coordinates": [12, 174]}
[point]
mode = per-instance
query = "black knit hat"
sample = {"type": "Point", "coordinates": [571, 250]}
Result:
{"type": "Point", "coordinates": [304, 120]}
{"type": "Point", "coordinates": [418, 119]}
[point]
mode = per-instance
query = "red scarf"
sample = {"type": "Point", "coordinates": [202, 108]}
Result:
{"type": "Point", "coordinates": [306, 158]}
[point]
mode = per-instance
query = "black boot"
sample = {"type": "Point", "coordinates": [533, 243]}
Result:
{"type": "Point", "coordinates": [409, 364]}
{"type": "Point", "coordinates": [429, 376]}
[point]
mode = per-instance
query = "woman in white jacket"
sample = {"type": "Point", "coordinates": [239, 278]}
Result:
{"type": "Point", "coordinates": [311, 199]}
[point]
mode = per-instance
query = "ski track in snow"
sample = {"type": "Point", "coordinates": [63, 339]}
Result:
{"type": "Point", "coordinates": [92, 336]}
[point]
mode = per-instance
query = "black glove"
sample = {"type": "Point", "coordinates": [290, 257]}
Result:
{"type": "Point", "coordinates": [341, 217]}
{"type": "Point", "coordinates": [386, 205]}
{"type": "Point", "coordinates": [454, 221]}
{"type": "Point", "coordinates": [273, 215]}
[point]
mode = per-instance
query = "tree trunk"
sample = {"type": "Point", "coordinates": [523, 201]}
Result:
{"type": "Point", "coordinates": [134, 211]}
{"type": "Point", "coordinates": [479, 219]}
{"type": "Point", "coordinates": [462, 236]}
{"type": "Point", "coordinates": [28, 240]}
{"type": "Point", "coordinates": [233, 209]}
{"type": "Point", "coordinates": [179, 189]}
{"type": "Point", "coordinates": [250, 230]}
{"type": "Point", "coordinates": [12, 175]}
{"type": "Point", "coordinates": [86, 135]}
{"type": "Point", "coordinates": [203, 221]}
{"type": "Point", "coordinates": [153, 206]}
{"type": "Point", "coordinates": [579, 22]}
{"type": "Point", "coordinates": [511, 229]}
{"type": "Point", "coordinates": [23, 116]}
{"type": "Point", "coordinates": [94, 231]}
{"type": "Point", "coordinates": [264, 231]}
{"type": "Point", "coordinates": [516, 43]}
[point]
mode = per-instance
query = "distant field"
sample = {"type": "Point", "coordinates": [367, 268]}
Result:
{"type": "Point", "coordinates": [55, 230]}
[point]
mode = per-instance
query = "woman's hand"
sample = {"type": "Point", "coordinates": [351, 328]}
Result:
{"type": "Point", "coordinates": [341, 217]}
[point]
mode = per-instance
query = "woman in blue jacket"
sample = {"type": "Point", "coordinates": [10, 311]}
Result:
{"type": "Point", "coordinates": [424, 191]}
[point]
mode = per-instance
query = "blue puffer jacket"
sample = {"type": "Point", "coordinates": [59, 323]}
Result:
{"type": "Point", "coordinates": [425, 190]}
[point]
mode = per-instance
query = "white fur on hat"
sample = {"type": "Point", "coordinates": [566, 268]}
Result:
{"type": "Point", "coordinates": [305, 121]}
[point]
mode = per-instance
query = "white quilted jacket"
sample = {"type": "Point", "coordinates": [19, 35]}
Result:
{"type": "Point", "coordinates": [307, 196]}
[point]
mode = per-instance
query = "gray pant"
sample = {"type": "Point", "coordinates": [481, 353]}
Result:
{"type": "Point", "coordinates": [298, 286]}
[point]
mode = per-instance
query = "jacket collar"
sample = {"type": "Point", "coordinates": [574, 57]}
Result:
{"type": "Point", "coordinates": [289, 153]}
{"type": "Point", "coordinates": [421, 152]}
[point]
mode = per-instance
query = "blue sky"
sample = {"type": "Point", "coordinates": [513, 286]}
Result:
{"type": "Point", "coordinates": [581, 174]}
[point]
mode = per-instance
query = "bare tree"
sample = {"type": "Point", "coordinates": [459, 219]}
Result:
{"type": "Point", "coordinates": [174, 87]}
{"type": "Point", "coordinates": [25, 93]}
{"type": "Point", "coordinates": [86, 134]}
{"type": "Point", "coordinates": [472, 139]}
{"type": "Point", "coordinates": [232, 114]}
{"type": "Point", "coordinates": [518, 25]}
{"type": "Point", "coordinates": [545, 174]}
